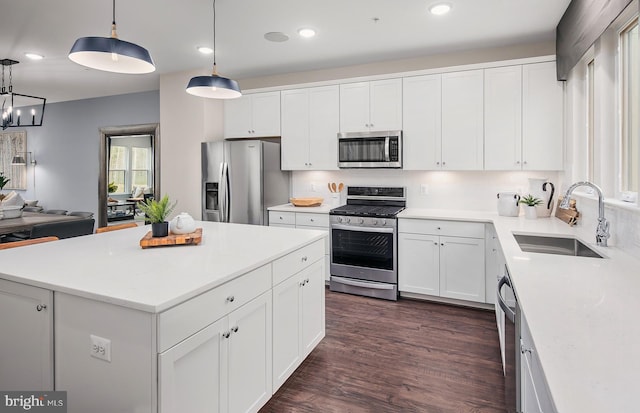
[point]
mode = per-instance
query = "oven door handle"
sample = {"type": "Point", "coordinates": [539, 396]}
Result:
{"type": "Point", "coordinates": [375, 286]}
{"type": "Point", "coordinates": [362, 229]}
{"type": "Point", "coordinates": [511, 315]}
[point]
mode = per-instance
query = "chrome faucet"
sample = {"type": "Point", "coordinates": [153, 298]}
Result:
{"type": "Point", "coordinates": [602, 231]}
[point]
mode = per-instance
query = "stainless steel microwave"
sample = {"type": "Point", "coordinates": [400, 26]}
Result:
{"type": "Point", "coordinates": [382, 149]}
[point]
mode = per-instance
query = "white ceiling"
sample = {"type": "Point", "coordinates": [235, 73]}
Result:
{"type": "Point", "coordinates": [171, 30]}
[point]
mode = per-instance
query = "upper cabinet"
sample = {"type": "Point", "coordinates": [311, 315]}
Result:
{"type": "Point", "coordinates": [252, 115]}
{"type": "Point", "coordinates": [462, 121]}
{"type": "Point", "coordinates": [422, 122]}
{"type": "Point", "coordinates": [310, 123]}
{"type": "Point", "coordinates": [371, 106]}
{"type": "Point", "coordinates": [523, 118]}
{"type": "Point", "coordinates": [542, 118]}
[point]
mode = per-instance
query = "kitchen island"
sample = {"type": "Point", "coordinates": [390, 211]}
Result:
{"type": "Point", "coordinates": [213, 327]}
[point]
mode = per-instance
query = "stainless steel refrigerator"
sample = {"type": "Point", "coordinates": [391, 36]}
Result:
{"type": "Point", "coordinates": [241, 179]}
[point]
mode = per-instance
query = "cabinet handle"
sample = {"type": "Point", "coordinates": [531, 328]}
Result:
{"type": "Point", "coordinates": [306, 281]}
{"type": "Point", "coordinates": [442, 244]}
{"type": "Point", "coordinates": [226, 334]}
{"type": "Point", "coordinates": [230, 299]}
{"type": "Point", "coordinates": [437, 163]}
{"type": "Point", "coordinates": [525, 162]}
{"type": "Point", "coordinates": [525, 350]}
{"type": "Point", "coordinates": [311, 219]}
{"type": "Point", "coordinates": [280, 217]}
{"type": "Point", "coordinates": [439, 228]}
{"type": "Point", "coordinates": [41, 307]}
{"type": "Point", "coordinates": [234, 329]}
{"type": "Point", "coordinates": [301, 283]}
{"type": "Point", "coordinates": [304, 259]}
{"type": "Point", "coordinates": [517, 162]}
{"type": "Point", "coordinates": [443, 163]}
{"type": "Point", "coordinates": [435, 243]}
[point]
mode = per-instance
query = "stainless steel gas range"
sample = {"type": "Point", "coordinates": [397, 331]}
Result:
{"type": "Point", "coordinates": [364, 242]}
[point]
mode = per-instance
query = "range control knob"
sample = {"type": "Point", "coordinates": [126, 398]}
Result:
{"type": "Point", "coordinates": [347, 220]}
{"type": "Point", "coordinates": [374, 222]}
{"type": "Point", "coordinates": [361, 220]}
{"type": "Point", "coordinates": [339, 219]}
{"type": "Point", "coordinates": [384, 222]}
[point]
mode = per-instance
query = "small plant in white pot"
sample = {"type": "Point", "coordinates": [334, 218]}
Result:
{"type": "Point", "coordinates": [530, 202]}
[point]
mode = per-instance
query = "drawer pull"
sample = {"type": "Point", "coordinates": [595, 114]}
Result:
{"type": "Point", "coordinates": [234, 329]}
{"type": "Point", "coordinates": [280, 217]}
{"type": "Point", "coordinates": [230, 299]}
{"type": "Point", "coordinates": [226, 334]}
{"type": "Point", "coordinates": [304, 259]}
{"type": "Point", "coordinates": [41, 307]}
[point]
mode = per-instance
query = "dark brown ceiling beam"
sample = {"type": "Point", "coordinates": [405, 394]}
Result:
{"type": "Point", "coordinates": [582, 24]}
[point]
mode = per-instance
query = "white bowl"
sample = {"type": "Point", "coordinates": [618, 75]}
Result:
{"type": "Point", "coordinates": [11, 212]}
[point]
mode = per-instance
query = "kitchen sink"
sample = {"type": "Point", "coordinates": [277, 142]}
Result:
{"type": "Point", "coordinates": [553, 245]}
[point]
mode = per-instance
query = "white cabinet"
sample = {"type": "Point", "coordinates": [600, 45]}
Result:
{"type": "Point", "coordinates": [503, 118]}
{"type": "Point", "coordinates": [225, 367]}
{"type": "Point", "coordinates": [310, 123]}
{"type": "Point", "coordinates": [422, 122]}
{"type": "Point", "coordinates": [298, 312]}
{"type": "Point", "coordinates": [462, 120]}
{"type": "Point", "coordinates": [26, 326]}
{"type": "Point", "coordinates": [252, 115]}
{"type": "Point", "coordinates": [371, 106]}
{"type": "Point", "coordinates": [523, 118]}
{"type": "Point", "coordinates": [305, 220]}
{"type": "Point", "coordinates": [542, 118]}
{"type": "Point", "coordinates": [442, 258]}
{"type": "Point", "coordinates": [535, 396]}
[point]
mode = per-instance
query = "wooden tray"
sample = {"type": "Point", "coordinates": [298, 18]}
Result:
{"type": "Point", "coordinates": [306, 202]}
{"type": "Point", "coordinates": [571, 215]}
{"type": "Point", "coordinates": [193, 238]}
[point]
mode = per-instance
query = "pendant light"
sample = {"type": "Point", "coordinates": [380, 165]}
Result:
{"type": "Point", "coordinates": [111, 54]}
{"type": "Point", "coordinates": [214, 86]}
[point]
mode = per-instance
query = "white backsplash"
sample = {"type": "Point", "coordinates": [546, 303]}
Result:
{"type": "Point", "coordinates": [444, 189]}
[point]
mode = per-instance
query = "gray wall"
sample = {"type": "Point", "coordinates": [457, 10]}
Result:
{"type": "Point", "coordinates": [66, 147]}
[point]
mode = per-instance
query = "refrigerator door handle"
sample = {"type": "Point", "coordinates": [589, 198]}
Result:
{"type": "Point", "coordinates": [227, 193]}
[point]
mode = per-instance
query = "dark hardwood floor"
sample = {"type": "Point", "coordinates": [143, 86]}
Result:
{"type": "Point", "coordinates": [405, 356]}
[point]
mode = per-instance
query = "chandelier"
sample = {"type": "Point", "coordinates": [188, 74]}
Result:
{"type": "Point", "coordinates": [18, 110]}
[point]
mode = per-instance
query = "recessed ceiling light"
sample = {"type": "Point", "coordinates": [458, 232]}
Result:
{"type": "Point", "coordinates": [440, 9]}
{"type": "Point", "coordinates": [277, 37]}
{"type": "Point", "coordinates": [205, 49]}
{"type": "Point", "coordinates": [306, 32]}
{"type": "Point", "coordinates": [34, 56]}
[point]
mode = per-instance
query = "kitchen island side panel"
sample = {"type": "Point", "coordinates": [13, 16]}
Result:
{"type": "Point", "coordinates": [94, 385]}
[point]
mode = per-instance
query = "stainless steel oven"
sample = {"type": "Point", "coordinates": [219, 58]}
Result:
{"type": "Point", "coordinates": [381, 149]}
{"type": "Point", "coordinates": [364, 242]}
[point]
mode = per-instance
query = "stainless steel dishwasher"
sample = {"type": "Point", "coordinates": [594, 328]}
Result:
{"type": "Point", "coordinates": [512, 342]}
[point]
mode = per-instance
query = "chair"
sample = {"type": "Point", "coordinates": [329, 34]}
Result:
{"type": "Point", "coordinates": [64, 229]}
{"type": "Point", "coordinates": [116, 227]}
{"type": "Point", "coordinates": [56, 211]}
{"type": "Point", "coordinates": [8, 245]}
{"type": "Point", "coordinates": [32, 209]}
{"type": "Point", "coordinates": [82, 214]}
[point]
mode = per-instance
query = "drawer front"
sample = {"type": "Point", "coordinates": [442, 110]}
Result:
{"type": "Point", "coordinates": [312, 220]}
{"type": "Point", "coordinates": [440, 227]}
{"type": "Point", "coordinates": [178, 323]}
{"type": "Point", "coordinates": [296, 261]}
{"type": "Point", "coordinates": [286, 218]}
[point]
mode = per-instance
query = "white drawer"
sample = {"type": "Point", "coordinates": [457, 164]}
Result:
{"type": "Point", "coordinates": [312, 220]}
{"type": "Point", "coordinates": [179, 322]}
{"type": "Point", "coordinates": [296, 261]}
{"type": "Point", "coordinates": [440, 227]}
{"type": "Point", "coordinates": [286, 218]}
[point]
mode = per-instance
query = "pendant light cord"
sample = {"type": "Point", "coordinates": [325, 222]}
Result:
{"type": "Point", "coordinates": [214, 36]}
{"type": "Point", "coordinates": [113, 22]}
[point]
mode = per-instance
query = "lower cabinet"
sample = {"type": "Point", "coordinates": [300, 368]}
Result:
{"type": "Point", "coordinates": [534, 391]}
{"type": "Point", "coordinates": [298, 320]}
{"type": "Point", "coordinates": [226, 367]}
{"type": "Point", "coordinates": [442, 258]}
{"type": "Point", "coordinates": [26, 326]}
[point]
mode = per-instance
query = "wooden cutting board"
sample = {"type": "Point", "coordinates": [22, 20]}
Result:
{"type": "Point", "coordinates": [571, 215]}
{"type": "Point", "coordinates": [193, 238]}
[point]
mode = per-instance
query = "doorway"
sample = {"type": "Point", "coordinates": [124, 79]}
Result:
{"type": "Point", "coordinates": [129, 162]}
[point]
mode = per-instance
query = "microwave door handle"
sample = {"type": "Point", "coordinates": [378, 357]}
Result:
{"type": "Point", "coordinates": [511, 315]}
{"type": "Point", "coordinates": [386, 149]}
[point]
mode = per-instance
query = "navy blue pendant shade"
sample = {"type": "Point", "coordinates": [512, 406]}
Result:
{"type": "Point", "coordinates": [214, 87]}
{"type": "Point", "coordinates": [111, 54]}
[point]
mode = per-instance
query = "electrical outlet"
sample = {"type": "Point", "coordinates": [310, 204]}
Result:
{"type": "Point", "coordinates": [314, 187]}
{"type": "Point", "coordinates": [100, 348]}
{"type": "Point", "coordinates": [424, 189]}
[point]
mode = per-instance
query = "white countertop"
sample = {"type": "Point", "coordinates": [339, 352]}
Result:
{"type": "Point", "coordinates": [112, 267]}
{"type": "Point", "coordinates": [322, 209]}
{"type": "Point", "coordinates": [582, 313]}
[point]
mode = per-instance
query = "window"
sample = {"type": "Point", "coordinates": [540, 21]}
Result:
{"type": "Point", "coordinates": [590, 120]}
{"type": "Point", "coordinates": [140, 167]}
{"type": "Point", "coordinates": [630, 76]}
{"type": "Point", "coordinates": [117, 168]}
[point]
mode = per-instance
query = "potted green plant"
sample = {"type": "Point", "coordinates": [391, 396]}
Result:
{"type": "Point", "coordinates": [112, 187]}
{"type": "Point", "coordinates": [3, 181]}
{"type": "Point", "coordinates": [156, 212]}
{"type": "Point", "coordinates": [530, 202]}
